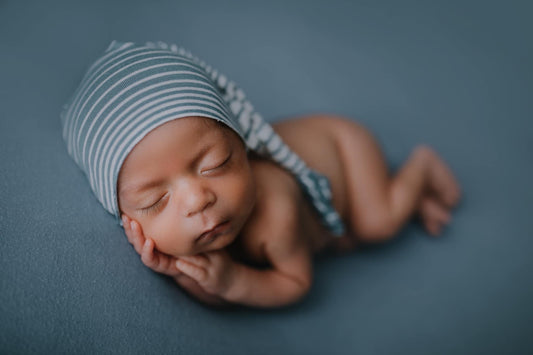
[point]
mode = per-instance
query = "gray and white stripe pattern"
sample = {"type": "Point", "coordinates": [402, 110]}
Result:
{"type": "Point", "coordinates": [132, 89]}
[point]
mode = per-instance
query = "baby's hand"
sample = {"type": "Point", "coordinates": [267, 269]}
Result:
{"type": "Point", "coordinates": [151, 257]}
{"type": "Point", "coordinates": [214, 271]}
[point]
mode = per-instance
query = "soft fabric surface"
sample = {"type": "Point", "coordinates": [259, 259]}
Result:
{"type": "Point", "coordinates": [455, 75]}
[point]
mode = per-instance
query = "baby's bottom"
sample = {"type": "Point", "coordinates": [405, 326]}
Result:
{"type": "Point", "coordinates": [380, 204]}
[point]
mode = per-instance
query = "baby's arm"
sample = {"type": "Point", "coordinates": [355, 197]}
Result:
{"type": "Point", "coordinates": [286, 282]}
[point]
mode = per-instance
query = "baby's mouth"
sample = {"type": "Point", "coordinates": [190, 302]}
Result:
{"type": "Point", "coordinates": [212, 234]}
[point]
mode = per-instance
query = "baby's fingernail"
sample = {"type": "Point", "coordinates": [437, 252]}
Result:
{"type": "Point", "coordinates": [132, 225]}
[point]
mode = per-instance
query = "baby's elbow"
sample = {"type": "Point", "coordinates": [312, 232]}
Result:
{"type": "Point", "coordinates": [216, 303]}
{"type": "Point", "coordinates": [299, 294]}
{"type": "Point", "coordinates": [293, 290]}
{"type": "Point", "coordinates": [304, 285]}
{"type": "Point", "coordinates": [307, 284]}
{"type": "Point", "coordinates": [211, 301]}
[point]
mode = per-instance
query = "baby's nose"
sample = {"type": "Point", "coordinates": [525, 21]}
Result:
{"type": "Point", "coordinates": [196, 198]}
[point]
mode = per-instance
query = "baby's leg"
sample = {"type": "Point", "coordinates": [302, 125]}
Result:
{"type": "Point", "coordinates": [380, 204]}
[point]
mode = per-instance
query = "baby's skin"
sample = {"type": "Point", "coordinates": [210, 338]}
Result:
{"type": "Point", "coordinates": [233, 228]}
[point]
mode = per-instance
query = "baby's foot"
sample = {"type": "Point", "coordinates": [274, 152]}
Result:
{"type": "Point", "coordinates": [442, 181]}
{"type": "Point", "coordinates": [433, 214]}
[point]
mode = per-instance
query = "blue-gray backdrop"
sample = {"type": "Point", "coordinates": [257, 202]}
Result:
{"type": "Point", "coordinates": [453, 74]}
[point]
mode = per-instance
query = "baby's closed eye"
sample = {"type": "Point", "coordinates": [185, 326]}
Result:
{"type": "Point", "coordinates": [215, 163]}
{"type": "Point", "coordinates": [156, 206]}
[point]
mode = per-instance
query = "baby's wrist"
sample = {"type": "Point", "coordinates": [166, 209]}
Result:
{"type": "Point", "coordinates": [234, 290]}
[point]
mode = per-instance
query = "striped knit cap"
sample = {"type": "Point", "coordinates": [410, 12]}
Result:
{"type": "Point", "coordinates": [132, 89]}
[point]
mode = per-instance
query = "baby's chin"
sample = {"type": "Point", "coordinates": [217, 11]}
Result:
{"type": "Point", "coordinates": [221, 242]}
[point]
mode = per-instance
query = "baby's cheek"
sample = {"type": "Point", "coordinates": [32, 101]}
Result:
{"type": "Point", "coordinates": [159, 232]}
{"type": "Point", "coordinates": [169, 238]}
{"type": "Point", "coordinates": [243, 190]}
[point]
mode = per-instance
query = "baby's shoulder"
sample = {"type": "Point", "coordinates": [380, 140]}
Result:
{"type": "Point", "coordinates": [276, 212]}
{"type": "Point", "coordinates": [273, 183]}
{"type": "Point", "coordinates": [278, 195]}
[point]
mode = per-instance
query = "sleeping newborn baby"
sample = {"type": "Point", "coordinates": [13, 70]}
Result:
{"type": "Point", "coordinates": [232, 208]}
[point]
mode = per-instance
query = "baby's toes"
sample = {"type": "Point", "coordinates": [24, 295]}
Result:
{"type": "Point", "coordinates": [451, 195]}
{"type": "Point", "coordinates": [432, 227]}
{"type": "Point", "coordinates": [443, 182]}
{"type": "Point", "coordinates": [455, 195]}
{"type": "Point", "coordinates": [431, 208]}
{"type": "Point", "coordinates": [441, 214]}
{"type": "Point", "coordinates": [434, 215]}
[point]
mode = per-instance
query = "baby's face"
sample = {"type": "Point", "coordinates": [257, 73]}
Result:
{"type": "Point", "coordinates": [184, 178]}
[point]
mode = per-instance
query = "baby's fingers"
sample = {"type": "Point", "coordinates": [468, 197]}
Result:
{"type": "Point", "coordinates": [158, 261]}
{"type": "Point", "coordinates": [149, 256]}
{"type": "Point", "coordinates": [199, 260]}
{"type": "Point", "coordinates": [197, 273]}
{"type": "Point", "coordinates": [134, 234]}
